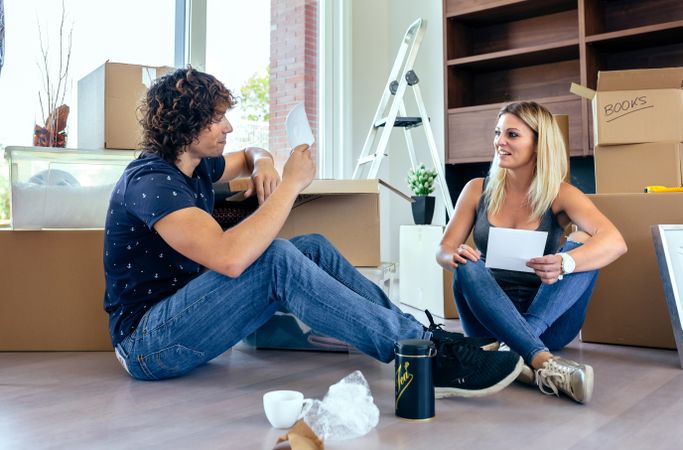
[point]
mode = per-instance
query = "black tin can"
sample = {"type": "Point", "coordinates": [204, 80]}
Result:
{"type": "Point", "coordinates": [414, 386]}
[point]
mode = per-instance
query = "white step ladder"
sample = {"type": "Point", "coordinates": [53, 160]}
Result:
{"type": "Point", "coordinates": [401, 77]}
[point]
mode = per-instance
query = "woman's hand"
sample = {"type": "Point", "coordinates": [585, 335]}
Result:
{"type": "Point", "coordinates": [548, 268]}
{"type": "Point", "coordinates": [449, 260]}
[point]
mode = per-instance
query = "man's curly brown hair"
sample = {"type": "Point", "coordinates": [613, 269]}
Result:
{"type": "Point", "coordinates": [177, 107]}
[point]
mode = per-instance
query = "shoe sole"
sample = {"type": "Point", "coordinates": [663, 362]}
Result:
{"type": "Point", "coordinates": [445, 392]}
{"type": "Point", "coordinates": [526, 376]}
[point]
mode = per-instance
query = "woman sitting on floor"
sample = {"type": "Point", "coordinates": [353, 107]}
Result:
{"type": "Point", "coordinates": [532, 313]}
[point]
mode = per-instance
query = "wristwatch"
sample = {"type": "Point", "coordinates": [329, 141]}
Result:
{"type": "Point", "coordinates": [568, 264]}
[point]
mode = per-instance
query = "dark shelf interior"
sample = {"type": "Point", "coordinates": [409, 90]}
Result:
{"type": "Point", "coordinates": [641, 56]}
{"type": "Point", "coordinates": [604, 16]}
{"type": "Point", "coordinates": [581, 168]}
{"type": "Point", "coordinates": [640, 37]}
{"type": "Point", "coordinates": [478, 87]}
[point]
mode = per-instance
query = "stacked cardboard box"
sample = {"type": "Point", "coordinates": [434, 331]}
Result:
{"type": "Point", "coordinates": [628, 306]}
{"type": "Point", "coordinates": [638, 132]}
{"type": "Point", "coordinates": [638, 128]}
{"type": "Point", "coordinates": [52, 291]}
{"type": "Point", "coordinates": [108, 99]}
{"type": "Point", "coordinates": [632, 167]}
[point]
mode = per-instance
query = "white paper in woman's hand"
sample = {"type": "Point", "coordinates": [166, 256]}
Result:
{"type": "Point", "coordinates": [510, 249]}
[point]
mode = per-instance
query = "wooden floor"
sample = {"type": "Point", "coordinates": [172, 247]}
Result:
{"type": "Point", "coordinates": [85, 400]}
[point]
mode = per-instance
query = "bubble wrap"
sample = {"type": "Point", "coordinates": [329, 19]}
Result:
{"type": "Point", "coordinates": [347, 411]}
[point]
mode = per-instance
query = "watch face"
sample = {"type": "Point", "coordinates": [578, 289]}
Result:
{"type": "Point", "coordinates": [568, 263]}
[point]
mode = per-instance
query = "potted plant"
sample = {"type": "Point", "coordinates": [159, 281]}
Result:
{"type": "Point", "coordinates": [421, 182]}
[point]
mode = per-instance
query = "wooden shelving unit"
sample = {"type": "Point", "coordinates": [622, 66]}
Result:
{"type": "Point", "coordinates": [498, 51]}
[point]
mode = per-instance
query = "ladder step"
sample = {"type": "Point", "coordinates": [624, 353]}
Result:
{"type": "Point", "coordinates": [403, 122]}
{"type": "Point", "coordinates": [366, 160]}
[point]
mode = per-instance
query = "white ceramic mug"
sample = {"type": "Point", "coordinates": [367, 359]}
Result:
{"type": "Point", "coordinates": [284, 408]}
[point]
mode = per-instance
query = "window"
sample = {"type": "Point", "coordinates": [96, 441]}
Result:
{"type": "Point", "coordinates": [126, 31]}
{"type": "Point", "coordinates": [265, 51]}
{"type": "Point", "coordinates": [259, 47]}
{"type": "Point", "coordinates": [238, 54]}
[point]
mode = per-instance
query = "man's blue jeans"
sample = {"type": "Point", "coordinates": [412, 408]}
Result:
{"type": "Point", "coordinates": [307, 276]}
{"type": "Point", "coordinates": [549, 322]}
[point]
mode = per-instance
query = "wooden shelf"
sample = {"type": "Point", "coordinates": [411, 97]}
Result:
{"type": "Point", "coordinates": [644, 36]}
{"type": "Point", "coordinates": [519, 36]}
{"type": "Point", "coordinates": [505, 10]}
{"type": "Point", "coordinates": [543, 100]}
{"type": "Point", "coordinates": [528, 56]}
{"type": "Point", "coordinates": [471, 128]}
{"type": "Point", "coordinates": [498, 51]}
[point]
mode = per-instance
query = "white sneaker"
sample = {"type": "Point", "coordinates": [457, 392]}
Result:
{"type": "Point", "coordinates": [563, 375]}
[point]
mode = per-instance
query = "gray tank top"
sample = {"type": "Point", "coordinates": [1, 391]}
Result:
{"type": "Point", "coordinates": [520, 286]}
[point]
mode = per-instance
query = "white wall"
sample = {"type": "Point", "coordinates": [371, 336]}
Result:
{"type": "Point", "coordinates": [377, 28]}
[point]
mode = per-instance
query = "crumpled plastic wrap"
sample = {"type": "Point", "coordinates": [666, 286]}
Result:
{"type": "Point", "coordinates": [347, 411]}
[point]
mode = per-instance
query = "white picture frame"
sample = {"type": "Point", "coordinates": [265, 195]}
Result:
{"type": "Point", "coordinates": [668, 242]}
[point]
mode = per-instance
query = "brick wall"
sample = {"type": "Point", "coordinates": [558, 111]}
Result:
{"type": "Point", "coordinates": [293, 68]}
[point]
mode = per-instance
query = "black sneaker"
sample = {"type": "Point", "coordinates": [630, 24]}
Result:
{"type": "Point", "coordinates": [438, 332]}
{"type": "Point", "coordinates": [461, 369]}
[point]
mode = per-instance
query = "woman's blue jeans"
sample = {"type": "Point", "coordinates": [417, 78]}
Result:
{"type": "Point", "coordinates": [547, 323]}
{"type": "Point", "coordinates": [307, 276]}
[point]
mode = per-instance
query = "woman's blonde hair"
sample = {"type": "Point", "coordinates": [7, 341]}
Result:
{"type": "Point", "coordinates": [551, 160]}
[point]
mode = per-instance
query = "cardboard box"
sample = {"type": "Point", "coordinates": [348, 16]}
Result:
{"type": "Point", "coordinates": [52, 291]}
{"type": "Point", "coordinates": [108, 98]}
{"type": "Point", "coordinates": [284, 331]}
{"type": "Point", "coordinates": [423, 284]}
{"type": "Point", "coordinates": [628, 306]}
{"type": "Point", "coordinates": [632, 167]}
{"type": "Point", "coordinates": [345, 211]}
{"type": "Point", "coordinates": [636, 106]}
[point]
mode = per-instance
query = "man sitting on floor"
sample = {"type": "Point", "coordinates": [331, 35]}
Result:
{"type": "Point", "coordinates": [180, 291]}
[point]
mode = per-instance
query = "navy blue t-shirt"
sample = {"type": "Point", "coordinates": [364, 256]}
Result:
{"type": "Point", "coordinates": [140, 268]}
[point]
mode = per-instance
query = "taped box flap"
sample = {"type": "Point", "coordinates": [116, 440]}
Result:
{"type": "Point", "coordinates": [582, 91]}
{"type": "Point", "coordinates": [332, 187]}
